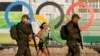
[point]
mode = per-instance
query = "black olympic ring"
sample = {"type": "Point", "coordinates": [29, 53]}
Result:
{"type": "Point", "coordinates": [59, 8]}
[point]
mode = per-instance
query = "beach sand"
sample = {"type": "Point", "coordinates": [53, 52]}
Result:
{"type": "Point", "coordinates": [54, 51]}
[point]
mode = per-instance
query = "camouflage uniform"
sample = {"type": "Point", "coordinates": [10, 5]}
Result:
{"type": "Point", "coordinates": [23, 40]}
{"type": "Point", "coordinates": [73, 39]}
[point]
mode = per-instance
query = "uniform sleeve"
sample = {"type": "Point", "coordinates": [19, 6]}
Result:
{"type": "Point", "coordinates": [30, 26]}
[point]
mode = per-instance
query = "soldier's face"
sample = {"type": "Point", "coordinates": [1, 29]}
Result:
{"type": "Point", "coordinates": [75, 20]}
{"type": "Point", "coordinates": [25, 20]}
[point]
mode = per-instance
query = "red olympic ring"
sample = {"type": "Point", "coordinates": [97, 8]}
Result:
{"type": "Point", "coordinates": [92, 19]}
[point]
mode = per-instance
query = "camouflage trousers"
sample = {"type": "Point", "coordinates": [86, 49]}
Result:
{"type": "Point", "coordinates": [23, 48]}
{"type": "Point", "coordinates": [73, 48]}
{"type": "Point", "coordinates": [23, 51]}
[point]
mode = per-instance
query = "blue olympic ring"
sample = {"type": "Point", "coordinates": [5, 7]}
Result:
{"type": "Point", "coordinates": [14, 4]}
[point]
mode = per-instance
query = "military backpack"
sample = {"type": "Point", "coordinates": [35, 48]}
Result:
{"type": "Point", "coordinates": [64, 32]}
{"type": "Point", "coordinates": [14, 32]}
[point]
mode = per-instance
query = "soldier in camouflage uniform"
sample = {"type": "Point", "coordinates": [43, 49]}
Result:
{"type": "Point", "coordinates": [74, 36]}
{"type": "Point", "coordinates": [24, 32]}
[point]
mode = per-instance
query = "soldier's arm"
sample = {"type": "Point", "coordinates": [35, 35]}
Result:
{"type": "Point", "coordinates": [29, 25]}
{"type": "Point", "coordinates": [80, 38]}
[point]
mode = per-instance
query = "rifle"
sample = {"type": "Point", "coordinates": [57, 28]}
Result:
{"type": "Point", "coordinates": [81, 42]}
{"type": "Point", "coordinates": [33, 37]}
{"type": "Point", "coordinates": [34, 41]}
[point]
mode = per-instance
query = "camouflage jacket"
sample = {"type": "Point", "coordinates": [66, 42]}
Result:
{"type": "Point", "coordinates": [73, 31]}
{"type": "Point", "coordinates": [24, 30]}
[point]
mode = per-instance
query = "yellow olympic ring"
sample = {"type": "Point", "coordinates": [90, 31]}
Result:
{"type": "Point", "coordinates": [40, 18]}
